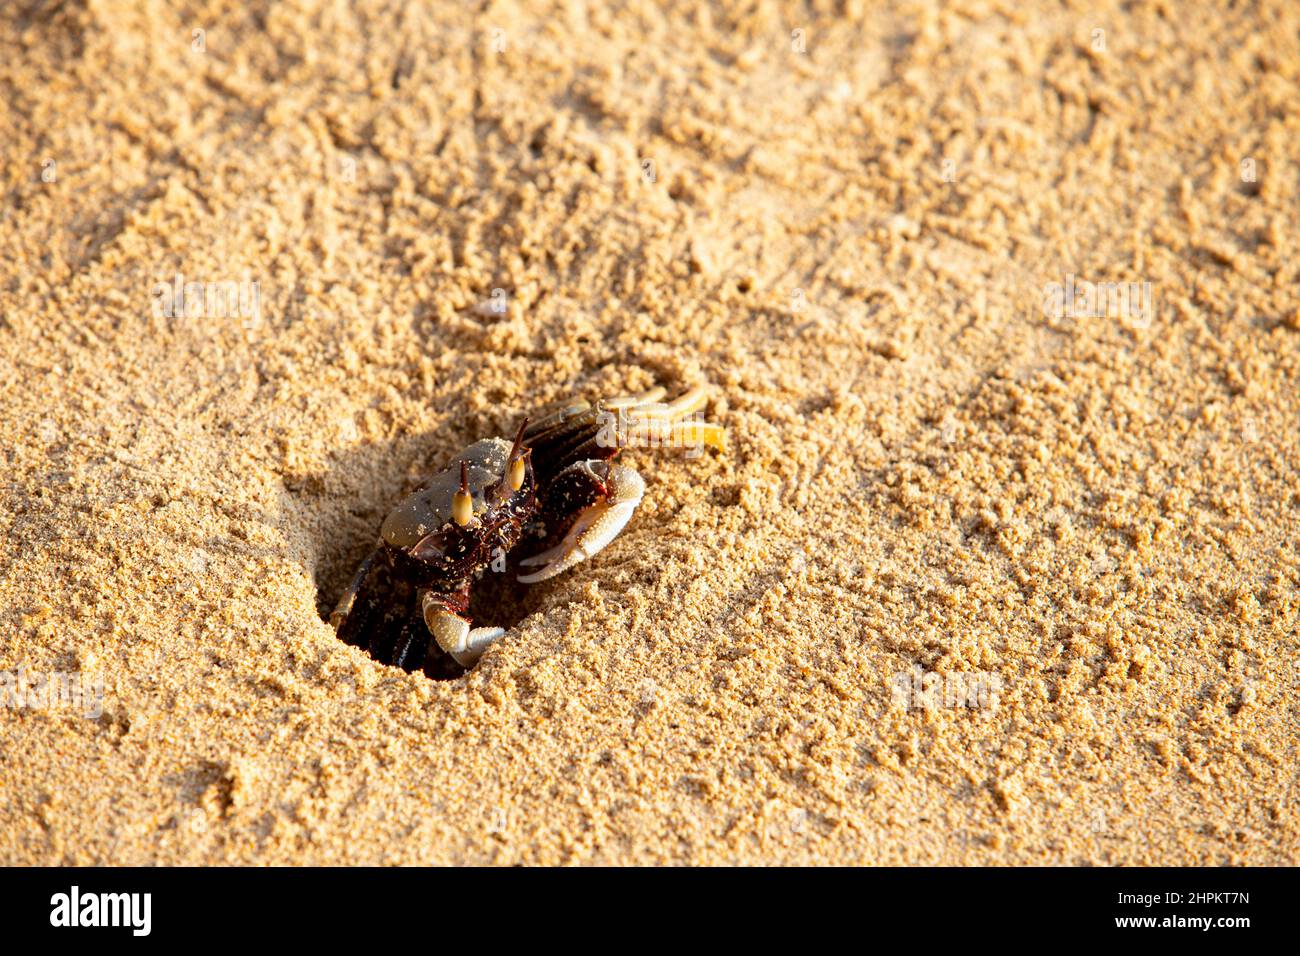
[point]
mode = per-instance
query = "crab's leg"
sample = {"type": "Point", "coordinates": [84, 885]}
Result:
{"type": "Point", "coordinates": [453, 633]}
{"type": "Point", "coordinates": [585, 432]}
{"type": "Point", "coordinates": [632, 401]}
{"type": "Point", "coordinates": [652, 422]}
{"type": "Point", "coordinates": [561, 425]}
{"type": "Point", "coordinates": [349, 597]}
{"type": "Point", "coordinates": [679, 407]}
{"type": "Point", "coordinates": [410, 646]}
{"type": "Point", "coordinates": [618, 490]}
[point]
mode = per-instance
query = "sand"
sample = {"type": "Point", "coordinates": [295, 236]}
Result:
{"type": "Point", "coordinates": [858, 223]}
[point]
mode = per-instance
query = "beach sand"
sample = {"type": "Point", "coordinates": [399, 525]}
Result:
{"type": "Point", "coordinates": [872, 229]}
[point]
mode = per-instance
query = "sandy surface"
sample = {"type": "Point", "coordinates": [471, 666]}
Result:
{"type": "Point", "coordinates": [851, 232]}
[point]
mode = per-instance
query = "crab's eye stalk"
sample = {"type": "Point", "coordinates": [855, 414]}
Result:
{"type": "Point", "coordinates": [516, 469]}
{"type": "Point", "coordinates": [462, 508]}
{"type": "Point", "coordinates": [462, 504]}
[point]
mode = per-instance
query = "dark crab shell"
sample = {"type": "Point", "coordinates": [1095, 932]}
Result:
{"type": "Point", "coordinates": [428, 508]}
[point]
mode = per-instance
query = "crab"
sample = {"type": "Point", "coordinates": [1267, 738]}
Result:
{"type": "Point", "coordinates": [557, 484]}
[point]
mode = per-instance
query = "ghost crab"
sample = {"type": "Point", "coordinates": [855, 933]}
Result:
{"type": "Point", "coordinates": [408, 603]}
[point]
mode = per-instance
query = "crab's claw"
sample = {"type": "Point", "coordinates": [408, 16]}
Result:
{"type": "Point", "coordinates": [452, 631]}
{"type": "Point", "coordinates": [619, 492]}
